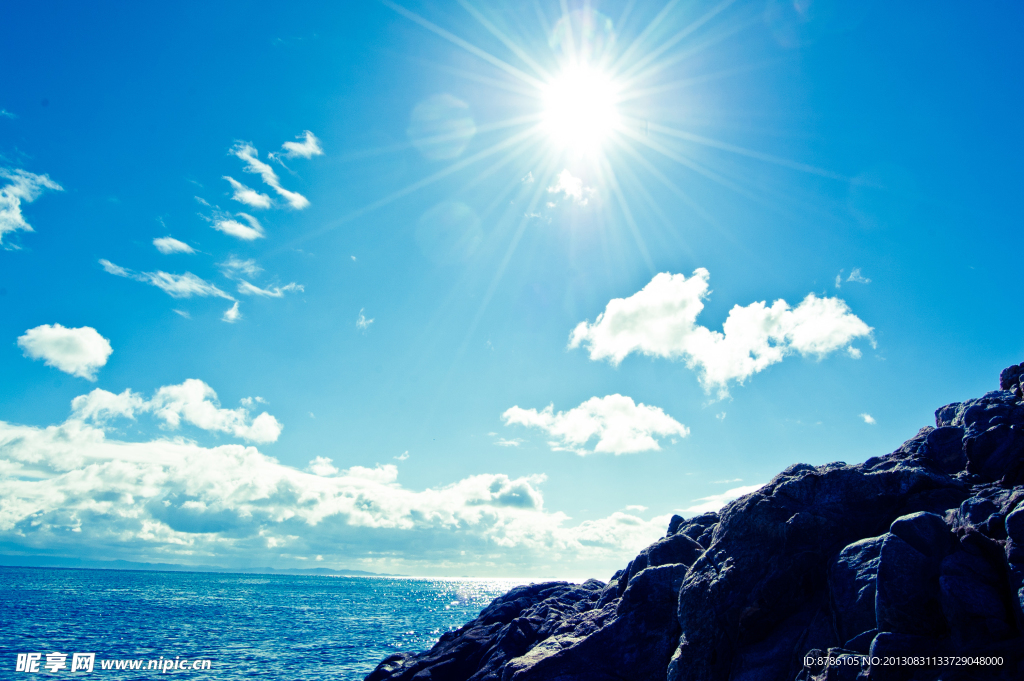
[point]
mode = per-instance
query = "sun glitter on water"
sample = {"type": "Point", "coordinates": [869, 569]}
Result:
{"type": "Point", "coordinates": [580, 108]}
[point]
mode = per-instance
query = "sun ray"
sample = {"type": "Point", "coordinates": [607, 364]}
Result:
{"type": "Point", "coordinates": [469, 47]}
{"type": "Point", "coordinates": [628, 214]}
{"type": "Point", "coordinates": [516, 50]}
{"type": "Point", "coordinates": [644, 34]}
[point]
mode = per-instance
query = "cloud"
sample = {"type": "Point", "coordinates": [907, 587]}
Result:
{"type": "Point", "coordinates": [74, 489]}
{"type": "Point", "coordinates": [307, 148]}
{"type": "Point", "coordinates": [855, 276]}
{"type": "Point", "coordinates": [270, 292]}
{"type": "Point", "coordinates": [502, 442]}
{"type": "Point", "coordinates": [248, 196]}
{"type": "Point", "coordinates": [231, 227]}
{"type": "Point", "coordinates": [717, 501]}
{"type": "Point", "coordinates": [183, 313]}
{"type": "Point", "coordinates": [868, 419]}
{"type": "Point", "coordinates": [402, 457]}
{"type": "Point", "coordinates": [168, 245]}
{"type": "Point", "coordinates": [232, 314]}
{"type": "Point", "coordinates": [234, 265]}
{"type": "Point", "coordinates": [362, 322]}
{"type": "Point", "coordinates": [660, 321]}
{"type": "Point", "coordinates": [248, 153]}
{"type": "Point", "coordinates": [620, 425]}
{"type": "Point", "coordinates": [79, 352]}
{"type": "Point", "coordinates": [175, 285]}
{"type": "Point", "coordinates": [572, 187]}
{"type": "Point", "coordinates": [192, 401]}
{"type": "Point", "coordinates": [4, 113]}
{"type": "Point", "coordinates": [21, 186]}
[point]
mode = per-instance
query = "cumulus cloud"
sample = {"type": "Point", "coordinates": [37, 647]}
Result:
{"type": "Point", "coordinates": [175, 285]}
{"type": "Point", "coordinates": [168, 245]}
{"type": "Point", "coordinates": [192, 401]}
{"type": "Point", "coordinates": [74, 488]}
{"type": "Point", "coordinates": [717, 501]}
{"type": "Point", "coordinates": [269, 292]}
{"type": "Point", "coordinates": [571, 187]}
{"type": "Point", "coordinates": [21, 186]}
{"type": "Point", "coordinates": [247, 195]}
{"type": "Point", "coordinates": [79, 352]}
{"type": "Point", "coordinates": [868, 419]}
{"type": "Point", "coordinates": [307, 148]}
{"type": "Point", "coordinates": [246, 152]}
{"type": "Point", "coordinates": [232, 314]}
{"type": "Point", "coordinates": [232, 227]}
{"type": "Point", "coordinates": [660, 321]}
{"type": "Point", "coordinates": [619, 425]}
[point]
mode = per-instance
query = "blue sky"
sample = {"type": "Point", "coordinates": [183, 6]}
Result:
{"type": "Point", "coordinates": [490, 290]}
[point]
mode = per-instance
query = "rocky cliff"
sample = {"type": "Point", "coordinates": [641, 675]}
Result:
{"type": "Point", "coordinates": [907, 566]}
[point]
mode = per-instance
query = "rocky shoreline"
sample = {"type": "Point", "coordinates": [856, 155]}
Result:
{"type": "Point", "coordinates": [907, 566]}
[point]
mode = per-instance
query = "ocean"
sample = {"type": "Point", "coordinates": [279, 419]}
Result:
{"type": "Point", "coordinates": [245, 625]}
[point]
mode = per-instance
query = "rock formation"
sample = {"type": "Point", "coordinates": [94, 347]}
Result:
{"type": "Point", "coordinates": [827, 573]}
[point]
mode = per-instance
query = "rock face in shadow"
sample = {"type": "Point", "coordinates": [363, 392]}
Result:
{"type": "Point", "coordinates": [826, 573]}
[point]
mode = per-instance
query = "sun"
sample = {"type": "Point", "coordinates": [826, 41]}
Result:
{"type": "Point", "coordinates": [580, 110]}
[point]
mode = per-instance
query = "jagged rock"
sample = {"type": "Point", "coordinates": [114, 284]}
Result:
{"type": "Point", "coordinates": [916, 553]}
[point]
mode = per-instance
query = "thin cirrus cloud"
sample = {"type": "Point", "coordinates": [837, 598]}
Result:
{"type": "Point", "coordinates": [21, 187]}
{"type": "Point", "coordinates": [235, 265]}
{"type": "Point", "coordinates": [228, 225]}
{"type": "Point", "coordinates": [76, 351]}
{"type": "Point", "coordinates": [247, 195]}
{"type": "Point", "coordinates": [855, 276]}
{"type": "Point", "coordinates": [248, 289]}
{"type": "Point", "coordinates": [619, 425]}
{"type": "Point", "coordinates": [248, 153]}
{"type": "Point", "coordinates": [168, 245]}
{"type": "Point", "coordinates": [307, 148]}
{"type": "Point", "coordinates": [76, 486]}
{"type": "Point", "coordinates": [717, 501]}
{"type": "Point", "coordinates": [660, 321]}
{"type": "Point", "coordinates": [175, 285]}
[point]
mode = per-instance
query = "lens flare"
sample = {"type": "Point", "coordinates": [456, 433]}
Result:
{"type": "Point", "coordinates": [580, 108]}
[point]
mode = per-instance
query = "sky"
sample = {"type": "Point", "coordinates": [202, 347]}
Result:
{"type": "Point", "coordinates": [483, 289]}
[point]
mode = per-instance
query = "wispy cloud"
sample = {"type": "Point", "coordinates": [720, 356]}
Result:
{"type": "Point", "coordinates": [247, 195]}
{"type": "Point", "coordinates": [619, 425]}
{"type": "Point", "coordinates": [182, 313]}
{"type": "Point", "coordinates": [246, 152]}
{"type": "Point", "coordinates": [168, 245]}
{"type": "Point", "coordinates": [4, 113]}
{"type": "Point", "coordinates": [232, 314]}
{"type": "Point", "coordinates": [502, 442]}
{"type": "Point", "coordinates": [21, 186]}
{"type": "Point", "coordinates": [402, 457]}
{"type": "Point", "coordinates": [248, 289]}
{"type": "Point", "coordinates": [572, 187]}
{"type": "Point", "coordinates": [362, 322]}
{"type": "Point", "coordinates": [307, 148]}
{"type": "Point", "coordinates": [660, 321]}
{"type": "Point", "coordinates": [717, 501]}
{"type": "Point", "coordinates": [230, 226]}
{"type": "Point", "coordinates": [175, 285]}
{"type": "Point", "coordinates": [78, 351]}
{"type": "Point", "coordinates": [234, 265]}
{"type": "Point", "coordinates": [868, 419]}
{"type": "Point", "coordinates": [855, 276]}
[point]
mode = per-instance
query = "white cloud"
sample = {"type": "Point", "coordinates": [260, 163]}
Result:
{"type": "Point", "coordinates": [402, 457]}
{"type": "Point", "coordinates": [660, 321]}
{"type": "Point", "coordinates": [72, 489]}
{"type": "Point", "coordinates": [21, 186]}
{"type": "Point", "coordinates": [857, 277]}
{"type": "Point", "coordinates": [248, 153]}
{"type": "Point", "coordinates": [572, 187]}
{"type": "Point", "coordinates": [175, 285]}
{"type": "Point", "coordinates": [868, 419]}
{"type": "Point", "coordinates": [79, 352]}
{"type": "Point", "coordinates": [168, 245]}
{"type": "Point", "coordinates": [502, 442]}
{"type": "Point", "coordinates": [232, 314]}
{"type": "Point", "coordinates": [717, 501]}
{"type": "Point", "coordinates": [183, 313]}
{"type": "Point", "coordinates": [4, 113]}
{"type": "Point", "coordinates": [234, 265]}
{"type": "Point", "coordinates": [192, 401]}
{"type": "Point", "coordinates": [232, 227]}
{"type": "Point", "coordinates": [307, 148]}
{"type": "Point", "coordinates": [620, 425]}
{"type": "Point", "coordinates": [247, 195]}
{"type": "Point", "coordinates": [362, 322]}
{"type": "Point", "coordinates": [270, 292]}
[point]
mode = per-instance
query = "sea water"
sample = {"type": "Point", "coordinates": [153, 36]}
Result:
{"type": "Point", "coordinates": [246, 625]}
